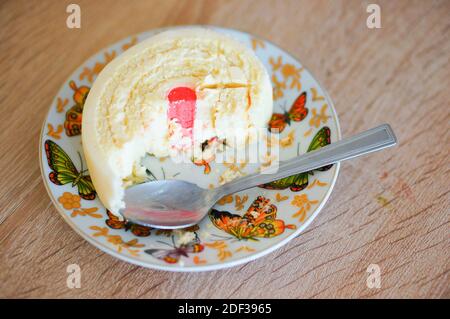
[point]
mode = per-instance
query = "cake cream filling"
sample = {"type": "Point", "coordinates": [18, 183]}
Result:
{"type": "Point", "coordinates": [127, 113]}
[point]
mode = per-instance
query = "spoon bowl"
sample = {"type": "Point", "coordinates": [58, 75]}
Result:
{"type": "Point", "coordinates": [167, 204]}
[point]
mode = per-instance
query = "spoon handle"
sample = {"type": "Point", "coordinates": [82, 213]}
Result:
{"type": "Point", "coordinates": [366, 142]}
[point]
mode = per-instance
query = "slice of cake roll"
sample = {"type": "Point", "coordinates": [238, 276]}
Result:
{"type": "Point", "coordinates": [182, 92]}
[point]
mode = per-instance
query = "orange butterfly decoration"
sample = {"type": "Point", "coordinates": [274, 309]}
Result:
{"type": "Point", "coordinates": [115, 223]}
{"type": "Point", "coordinates": [259, 221]}
{"type": "Point", "coordinates": [297, 113]}
{"type": "Point", "coordinates": [72, 124]}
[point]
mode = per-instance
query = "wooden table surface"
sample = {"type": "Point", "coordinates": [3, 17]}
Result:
{"type": "Point", "coordinates": [389, 209]}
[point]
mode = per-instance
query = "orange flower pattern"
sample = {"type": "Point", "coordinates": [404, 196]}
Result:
{"type": "Point", "coordinates": [308, 132]}
{"type": "Point", "coordinates": [60, 104]}
{"type": "Point", "coordinates": [317, 118]}
{"type": "Point", "coordinates": [281, 198]}
{"type": "Point", "coordinates": [228, 199]}
{"type": "Point", "coordinates": [289, 73]}
{"type": "Point", "coordinates": [257, 43]}
{"type": "Point", "coordinates": [90, 73]}
{"type": "Point", "coordinates": [316, 96]}
{"type": "Point", "coordinates": [70, 201]}
{"type": "Point", "coordinates": [52, 133]}
{"type": "Point", "coordinates": [86, 212]}
{"type": "Point", "coordinates": [245, 249]}
{"type": "Point", "coordinates": [318, 183]}
{"type": "Point", "coordinates": [198, 261]}
{"type": "Point", "coordinates": [302, 201]}
{"type": "Point", "coordinates": [288, 140]}
{"type": "Point", "coordinates": [117, 241]}
{"type": "Point", "coordinates": [222, 249]}
{"type": "Point", "coordinates": [240, 201]}
{"type": "Point", "coordinates": [128, 45]}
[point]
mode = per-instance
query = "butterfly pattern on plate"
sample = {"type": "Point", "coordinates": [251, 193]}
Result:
{"type": "Point", "coordinates": [297, 113]}
{"type": "Point", "coordinates": [72, 123]}
{"type": "Point", "coordinates": [64, 171]}
{"type": "Point", "coordinates": [174, 253]}
{"type": "Point", "coordinates": [114, 222]}
{"type": "Point", "coordinates": [259, 221]}
{"type": "Point", "coordinates": [300, 181]}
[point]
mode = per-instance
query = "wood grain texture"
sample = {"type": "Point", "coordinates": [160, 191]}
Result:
{"type": "Point", "coordinates": [390, 209]}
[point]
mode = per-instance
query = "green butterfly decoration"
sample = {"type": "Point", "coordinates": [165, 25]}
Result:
{"type": "Point", "coordinates": [65, 172]}
{"type": "Point", "coordinates": [300, 181]}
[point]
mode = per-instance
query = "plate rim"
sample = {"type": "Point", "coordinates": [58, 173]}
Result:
{"type": "Point", "coordinates": [198, 268]}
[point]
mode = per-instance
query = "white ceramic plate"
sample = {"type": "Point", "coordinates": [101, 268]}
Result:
{"type": "Point", "coordinates": [230, 236]}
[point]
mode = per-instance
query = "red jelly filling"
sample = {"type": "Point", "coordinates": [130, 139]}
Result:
{"type": "Point", "coordinates": [182, 106]}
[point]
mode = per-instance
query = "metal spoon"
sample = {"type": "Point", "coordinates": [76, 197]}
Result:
{"type": "Point", "coordinates": [174, 204]}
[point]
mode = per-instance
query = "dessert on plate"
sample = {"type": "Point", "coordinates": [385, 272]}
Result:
{"type": "Point", "coordinates": [179, 94]}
